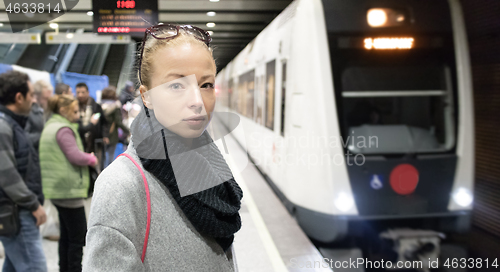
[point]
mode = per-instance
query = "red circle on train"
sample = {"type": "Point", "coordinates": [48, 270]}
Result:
{"type": "Point", "coordinates": [404, 179]}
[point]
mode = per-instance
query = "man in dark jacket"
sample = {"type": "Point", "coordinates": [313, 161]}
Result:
{"type": "Point", "coordinates": [93, 127]}
{"type": "Point", "coordinates": [20, 178]}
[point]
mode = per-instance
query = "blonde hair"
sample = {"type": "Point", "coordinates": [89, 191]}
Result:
{"type": "Point", "coordinates": [57, 102]}
{"type": "Point", "coordinates": [41, 85]}
{"type": "Point", "coordinates": [152, 45]}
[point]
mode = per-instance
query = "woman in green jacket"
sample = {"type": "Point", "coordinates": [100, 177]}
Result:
{"type": "Point", "coordinates": [65, 177]}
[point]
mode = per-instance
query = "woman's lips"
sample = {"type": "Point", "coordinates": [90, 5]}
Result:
{"type": "Point", "coordinates": [195, 120]}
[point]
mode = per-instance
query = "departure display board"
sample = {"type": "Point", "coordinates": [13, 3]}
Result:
{"type": "Point", "coordinates": [117, 17]}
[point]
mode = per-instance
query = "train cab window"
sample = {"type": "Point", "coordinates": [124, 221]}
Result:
{"type": "Point", "coordinates": [389, 110]}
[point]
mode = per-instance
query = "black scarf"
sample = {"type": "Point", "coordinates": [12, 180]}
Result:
{"type": "Point", "coordinates": [211, 197]}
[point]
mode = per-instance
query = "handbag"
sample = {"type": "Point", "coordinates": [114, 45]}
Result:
{"type": "Point", "coordinates": [10, 223]}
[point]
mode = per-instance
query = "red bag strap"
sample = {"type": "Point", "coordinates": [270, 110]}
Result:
{"type": "Point", "coordinates": [146, 187]}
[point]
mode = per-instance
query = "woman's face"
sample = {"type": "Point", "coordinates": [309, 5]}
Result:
{"type": "Point", "coordinates": [70, 112]}
{"type": "Point", "coordinates": [182, 96]}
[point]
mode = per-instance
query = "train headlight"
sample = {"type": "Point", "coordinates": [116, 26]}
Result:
{"type": "Point", "coordinates": [344, 202]}
{"type": "Point", "coordinates": [386, 17]}
{"type": "Point", "coordinates": [463, 197]}
{"type": "Point", "coordinates": [376, 17]}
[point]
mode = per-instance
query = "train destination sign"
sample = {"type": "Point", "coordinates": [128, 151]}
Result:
{"type": "Point", "coordinates": [115, 17]}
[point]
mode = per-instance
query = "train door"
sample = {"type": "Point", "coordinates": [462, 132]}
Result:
{"type": "Point", "coordinates": [280, 125]}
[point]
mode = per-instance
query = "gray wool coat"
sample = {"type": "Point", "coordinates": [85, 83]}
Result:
{"type": "Point", "coordinates": [117, 227]}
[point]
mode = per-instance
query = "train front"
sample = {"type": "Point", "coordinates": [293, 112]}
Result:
{"type": "Point", "coordinates": [403, 95]}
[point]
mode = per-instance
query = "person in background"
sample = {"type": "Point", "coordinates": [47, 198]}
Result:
{"type": "Point", "coordinates": [112, 111]}
{"type": "Point", "coordinates": [127, 96]}
{"type": "Point", "coordinates": [65, 89]}
{"type": "Point", "coordinates": [65, 177]}
{"type": "Point", "coordinates": [39, 113]}
{"type": "Point", "coordinates": [127, 93]}
{"type": "Point", "coordinates": [20, 179]}
{"type": "Point", "coordinates": [93, 127]}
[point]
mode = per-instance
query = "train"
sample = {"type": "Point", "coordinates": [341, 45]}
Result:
{"type": "Point", "coordinates": [360, 112]}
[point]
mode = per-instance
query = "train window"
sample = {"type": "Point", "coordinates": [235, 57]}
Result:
{"type": "Point", "coordinates": [283, 93]}
{"type": "Point", "coordinates": [260, 99]}
{"type": "Point", "coordinates": [230, 94]}
{"type": "Point", "coordinates": [270, 85]}
{"type": "Point", "coordinates": [256, 99]}
{"type": "Point", "coordinates": [246, 94]}
{"type": "Point", "coordinates": [398, 109]}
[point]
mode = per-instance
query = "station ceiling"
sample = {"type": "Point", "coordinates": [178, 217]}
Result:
{"type": "Point", "coordinates": [237, 22]}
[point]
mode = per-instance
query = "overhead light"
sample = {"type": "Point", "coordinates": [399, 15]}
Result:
{"type": "Point", "coordinates": [90, 13]}
{"type": "Point", "coordinates": [210, 32]}
{"type": "Point", "coordinates": [54, 25]}
{"type": "Point", "coordinates": [70, 35]}
{"type": "Point", "coordinates": [214, 0]}
{"type": "Point", "coordinates": [1, 24]}
{"type": "Point", "coordinates": [210, 24]}
{"type": "Point", "coordinates": [376, 17]}
{"type": "Point", "coordinates": [211, 13]}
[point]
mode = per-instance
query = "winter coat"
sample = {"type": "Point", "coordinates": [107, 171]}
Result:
{"type": "Point", "coordinates": [93, 131]}
{"type": "Point", "coordinates": [20, 178]}
{"type": "Point", "coordinates": [112, 112]}
{"type": "Point", "coordinates": [117, 227]}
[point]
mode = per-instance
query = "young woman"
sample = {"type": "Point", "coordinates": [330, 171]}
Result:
{"type": "Point", "coordinates": [172, 204]}
{"type": "Point", "coordinates": [65, 177]}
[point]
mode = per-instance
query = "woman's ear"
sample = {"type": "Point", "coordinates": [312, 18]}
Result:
{"type": "Point", "coordinates": [63, 111]}
{"type": "Point", "coordinates": [146, 97]}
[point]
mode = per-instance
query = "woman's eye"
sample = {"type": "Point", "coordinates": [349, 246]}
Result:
{"type": "Point", "coordinates": [207, 85]}
{"type": "Point", "coordinates": [176, 86]}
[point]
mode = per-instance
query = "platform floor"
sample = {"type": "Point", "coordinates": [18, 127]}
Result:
{"type": "Point", "coordinates": [269, 240]}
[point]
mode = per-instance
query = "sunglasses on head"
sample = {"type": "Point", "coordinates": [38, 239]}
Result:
{"type": "Point", "coordinates": [170, 31]}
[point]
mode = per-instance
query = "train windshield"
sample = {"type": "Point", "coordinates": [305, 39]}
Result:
{"type": "Point", "coordinates": [397, 109]}
{"type": "Point", "coordinates": [394, 83]}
